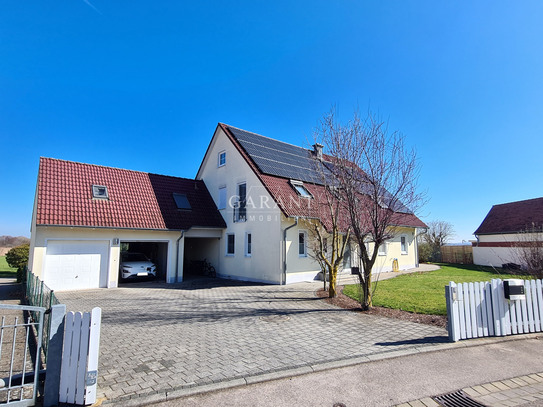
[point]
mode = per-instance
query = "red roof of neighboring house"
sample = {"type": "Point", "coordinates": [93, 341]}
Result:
{"type": "Point", "coordinates": [136, 200]}
{"type": "Point", "coordinates": [513, 217]}
{"type": "Point", "coordinates": [295, 162]}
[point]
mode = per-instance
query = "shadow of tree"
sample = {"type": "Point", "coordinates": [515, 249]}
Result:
{"type": "Point", "coordinates": [417, 341]}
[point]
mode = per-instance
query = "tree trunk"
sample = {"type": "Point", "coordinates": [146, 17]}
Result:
{"type": "Point", "coordinates": [366, 303]}
{"type": "Point", "coordinates": [332, 293]}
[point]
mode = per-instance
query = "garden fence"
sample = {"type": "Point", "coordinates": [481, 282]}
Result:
{"type": "Point", "coordinates": [481, 309]}
{"type": "Point", "coordinates": [37, 294]}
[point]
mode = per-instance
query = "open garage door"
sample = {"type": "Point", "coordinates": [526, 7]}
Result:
{"type": "Point", "coordinates": [76, 265]}
{"type": "Point", "coordinates": [156, 252]}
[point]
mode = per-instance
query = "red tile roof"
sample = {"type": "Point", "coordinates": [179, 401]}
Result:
{"type": "Point", "coordinates": [137, 200]}
{"type": "Point", "coordinates": [293, 205]}
{"type": "Point", "coordinates": [513, 217]}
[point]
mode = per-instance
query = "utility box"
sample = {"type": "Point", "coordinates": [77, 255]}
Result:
{"type": "Point", "coordinates": [514, 289]}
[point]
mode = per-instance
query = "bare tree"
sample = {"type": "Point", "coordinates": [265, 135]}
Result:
{"type": "Point", "coordinates": [438, 233]}
{"type": "Point", "coordinates": [376, 176]}
{"type": "Point", "coordinates": [529, 251]}
{"type": "Point", "coordinates": [329, 238]}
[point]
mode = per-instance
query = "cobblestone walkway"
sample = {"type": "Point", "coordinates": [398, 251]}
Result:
{"type": "Point", "coordinates": [157, 338]}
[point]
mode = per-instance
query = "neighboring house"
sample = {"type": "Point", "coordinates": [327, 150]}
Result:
{"type": "Point", "coordinates": [266, 191]}
{"type": "Point", "coordinates": [503, 231]}
{"type": "Point", "coordinates": [83, 214]}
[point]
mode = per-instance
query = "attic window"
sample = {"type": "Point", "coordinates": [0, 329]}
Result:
{"type": "Point", "coordinates": [301, 189]}
{"type": "Point", "coordinates": [99, 192]}
{"type": "Point", "coordinates": [182, 201]}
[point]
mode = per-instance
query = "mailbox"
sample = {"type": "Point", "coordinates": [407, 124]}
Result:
{"type": "Point", "coordinates": [514, 289]}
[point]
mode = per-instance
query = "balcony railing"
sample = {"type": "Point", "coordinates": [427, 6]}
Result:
{"type": "Point", "coordinates": [240, 212]}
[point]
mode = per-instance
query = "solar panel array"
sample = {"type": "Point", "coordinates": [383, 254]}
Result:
{"type": "Point", "coordinates": [277, 158]}
{"type": "Point", "coordinates": [274, 157]}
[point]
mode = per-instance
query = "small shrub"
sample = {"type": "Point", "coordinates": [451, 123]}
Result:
{"type": "Point", "coordinates": [17, 257]}
{"type": "Point", "coordinates": [429, 253]}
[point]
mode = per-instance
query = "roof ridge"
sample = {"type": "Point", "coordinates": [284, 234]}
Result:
{"type": "Point", "coordinates": [112, 168]}
{"type": "Point", "coordinates": [269, 138]}
{"type": "Point", "coordinates": [517, 202]}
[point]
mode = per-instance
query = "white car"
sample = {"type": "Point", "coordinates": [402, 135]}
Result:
{"type": "Point", "coordinates": [135, 265]}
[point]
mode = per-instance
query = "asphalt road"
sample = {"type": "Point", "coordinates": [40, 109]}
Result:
{"type": "Point", "coordinates": [386, 382]}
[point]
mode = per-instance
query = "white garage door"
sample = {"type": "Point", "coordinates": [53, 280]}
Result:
{"type": "Point", "coordinates": [76, 265]}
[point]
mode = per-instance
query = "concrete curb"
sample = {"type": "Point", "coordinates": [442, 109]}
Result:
{"type": "Point", "coordinates": [176, 393]}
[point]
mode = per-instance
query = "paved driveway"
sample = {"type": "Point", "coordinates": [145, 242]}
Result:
{"type": "Point", "coordinates": [157, 338]}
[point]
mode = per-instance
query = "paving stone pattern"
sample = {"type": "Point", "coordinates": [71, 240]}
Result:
{"type": "Point", "coordinates": [157, 338]}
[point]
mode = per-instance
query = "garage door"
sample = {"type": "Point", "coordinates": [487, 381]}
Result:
{"type": "Point", "coordinates": [76, 265]}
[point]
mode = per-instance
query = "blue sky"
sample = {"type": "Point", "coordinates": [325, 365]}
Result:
{"type": "Point", "coordinates": [141, 85]}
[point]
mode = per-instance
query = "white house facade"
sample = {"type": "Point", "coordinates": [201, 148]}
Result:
{"type": "Point", "coordinates": [248, 214]}
{"type": "Point", "coordinates": [267, 182]}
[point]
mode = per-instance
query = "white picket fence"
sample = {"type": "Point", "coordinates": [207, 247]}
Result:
{"type": "Point", "coordinates": [79, 368]}
{"type": "Point", "coordinates": [480, 309]}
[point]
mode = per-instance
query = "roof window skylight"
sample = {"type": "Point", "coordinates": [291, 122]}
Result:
{"type": "Point", "coordinates": [182, 201]}
{"type": "Point", "coordinates": [99, 192]}
{"type": "Point", "coordinates": [301, 189]}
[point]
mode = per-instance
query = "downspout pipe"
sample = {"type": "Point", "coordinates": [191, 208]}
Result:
{"type": "Point", "coordinates": [284, 276]}
{"type": "Point", "coordinates": [177, 257]}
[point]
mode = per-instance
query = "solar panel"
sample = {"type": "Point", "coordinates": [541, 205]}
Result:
{"type": "Point", "coordinates": [274, 157]}
{"type": "Point", "coordinates": [277, 158]}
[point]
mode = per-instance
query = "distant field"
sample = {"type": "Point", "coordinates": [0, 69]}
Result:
{"type": "Point", "coordinates": [5, 270]}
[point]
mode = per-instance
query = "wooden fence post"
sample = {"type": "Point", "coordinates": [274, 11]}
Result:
{"type": "Point", "coordinates": [94, 348]}
{"type": "Point", "coordinates": [452, 312]}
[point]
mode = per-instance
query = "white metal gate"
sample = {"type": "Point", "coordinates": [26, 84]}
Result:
{"type": "Point", "coordinates": [20, 353]}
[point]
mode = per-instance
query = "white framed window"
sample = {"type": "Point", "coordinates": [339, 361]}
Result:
{"type": "Point", "coordinates": [222, 159]}
{"type": "Point", "coordinates": [382, 250]}
{"type": "Point", "coordinates": [302, 243]}
{"type": "Point", "coordinates": [248, 244]}
{"type": "Point", "coordinates": [403, 244]}
{"type": "Point", "coordinates": [240, 210]}
{"type": "Point", "coordinates": [222, 198]}
{"type": "Point", "coordinates": [230, 244]}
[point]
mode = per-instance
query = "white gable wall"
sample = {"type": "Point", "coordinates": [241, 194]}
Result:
{"type": "Point", "coordinates": [263, 216]}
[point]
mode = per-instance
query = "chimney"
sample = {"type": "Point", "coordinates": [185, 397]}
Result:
{"type": "Point", "coordinates": [317, 150]}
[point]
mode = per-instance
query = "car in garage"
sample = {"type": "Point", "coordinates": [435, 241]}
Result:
{"type": "Point", "coordinates": [136, 265]}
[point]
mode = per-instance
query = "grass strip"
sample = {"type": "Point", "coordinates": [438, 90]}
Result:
{"type": "Point", "coordinates": [424, 292]}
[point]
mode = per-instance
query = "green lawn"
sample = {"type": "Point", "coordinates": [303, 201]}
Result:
{"type": "Point", "coordinates": [424, 293]}
{"type": "Point", "coordinates": [5, 270]}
